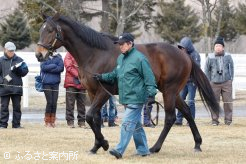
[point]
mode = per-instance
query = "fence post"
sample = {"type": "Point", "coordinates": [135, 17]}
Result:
{"type": "Point", "coordinates": [25, 92]}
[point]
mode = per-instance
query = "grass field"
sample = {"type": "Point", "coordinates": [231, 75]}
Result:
{"type": "Point", "coordinates": [221, 144]}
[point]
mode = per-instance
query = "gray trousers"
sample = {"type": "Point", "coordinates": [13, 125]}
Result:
{"type": "Point", "coordinates": [225, 91]}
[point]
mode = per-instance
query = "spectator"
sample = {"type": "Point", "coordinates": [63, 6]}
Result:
{"type": "Point", "coordinates": [51, 75]}
{"type": "Point", "coordinates": [132, 73]}
{"type": "Point", "coordinates": [189, 89]}
{"type": "Point", "coordinates": [12, 69]}
{"type": "Point", "coordinates": [75, 91]}
{"type": "Point", "coordinates": [110, 115]}
{"type": "Point", "coordinates": [219, 69]}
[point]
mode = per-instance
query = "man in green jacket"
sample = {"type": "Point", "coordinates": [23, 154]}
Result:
{"type": "Point", "coordinates": [136, 83]}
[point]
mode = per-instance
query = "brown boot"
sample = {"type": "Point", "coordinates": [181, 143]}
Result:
{"type": "Point", "coordinates": [52, 120]}
{"type": "Point", "coordinates": [47, 120]}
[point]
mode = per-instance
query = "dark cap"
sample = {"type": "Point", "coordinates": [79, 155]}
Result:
{"type": "Point", "coordinates": [219, 40]}
{"type": "Point", "coordinates": [125, 37]}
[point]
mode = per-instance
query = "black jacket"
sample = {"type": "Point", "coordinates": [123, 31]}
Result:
{"type": "Point", "coordinates": [16, 75]}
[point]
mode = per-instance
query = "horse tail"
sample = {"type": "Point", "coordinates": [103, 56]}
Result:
{"type": "Point", "coordinates": [204, 88]}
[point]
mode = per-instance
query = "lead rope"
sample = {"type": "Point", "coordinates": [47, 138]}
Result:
{"type": "Point", "coordinates": [157, 113]}
{"type": "Point", "coordinates": [147, 107]}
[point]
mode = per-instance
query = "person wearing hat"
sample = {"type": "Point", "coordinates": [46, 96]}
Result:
{"type": "Point", "coordinates": [136, 83]}
{"type": "Point", "coordinates": [219, 69]}
{"type": "Point", "coordinates": [12, 69]}
{"type": "Point", "coordinates": [189, 91]}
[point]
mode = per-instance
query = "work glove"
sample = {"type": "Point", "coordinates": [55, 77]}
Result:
{"type": "Point", "coordinates": [97, 77]}
{"type": "Point", "coordinates": [150, 101]}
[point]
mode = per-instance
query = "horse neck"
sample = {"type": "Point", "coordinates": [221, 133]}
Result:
{"type": "Point", "coordinates": [89, 58]}
{"type": "Point", "coordinates": [80, 50]}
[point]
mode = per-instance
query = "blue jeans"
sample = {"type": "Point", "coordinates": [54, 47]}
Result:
{"type": "Point", "coordinates": [146, 115]}
{"type": "Point", "coordinates": [190, 90]}
{"type": "Point", "coordinates": [111, 114]}
{"type": "Point", "coordinates": [132, 126]}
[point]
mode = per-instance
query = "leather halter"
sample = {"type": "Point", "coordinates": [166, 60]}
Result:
{"type": "Point", "coordinates": [58, 36]}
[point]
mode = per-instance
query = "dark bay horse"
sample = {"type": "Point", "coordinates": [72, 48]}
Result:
{"type": "Point", "coordinates": [96, 53]}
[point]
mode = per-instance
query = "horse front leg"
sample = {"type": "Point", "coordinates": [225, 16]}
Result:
{"type": "Point", "coordinates": [169, 104]}
{"type": "Point", "coordinates": [93, 118]}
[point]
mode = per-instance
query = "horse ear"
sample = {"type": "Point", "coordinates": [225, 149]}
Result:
{"type": "Point", "coordinates": [56, 16]}
{"type": "Point", "coordinates": [43, 16]}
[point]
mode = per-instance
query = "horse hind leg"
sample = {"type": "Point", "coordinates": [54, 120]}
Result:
{"type": "Point", "coordinates": [185, 110]}
{"type": "Point", "coordinates": [169, 103]}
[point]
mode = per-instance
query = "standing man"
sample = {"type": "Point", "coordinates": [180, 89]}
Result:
{"type": "Point", "coordinates": [74, 92]}
{"type": "Point", "coordinates": [136, 83]}
{"type": "Point", "coordinates": [189, 89]}
{"type": "Point", "coordinates": [12, 69]}
{"type": "Point", "coordinates": [219, 69]}
{"type": "Point", "coordinates": [110, 115]}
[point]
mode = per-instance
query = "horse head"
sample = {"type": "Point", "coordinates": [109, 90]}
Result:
{"type": "Point", "coordinates": [51, 37]}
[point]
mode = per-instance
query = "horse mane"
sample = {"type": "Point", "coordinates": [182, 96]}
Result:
{"type": "Point", "coordinates": [91, 37]}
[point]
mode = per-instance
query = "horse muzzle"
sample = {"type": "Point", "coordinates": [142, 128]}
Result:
{"type": "Point", "coordinates": [39, 57]}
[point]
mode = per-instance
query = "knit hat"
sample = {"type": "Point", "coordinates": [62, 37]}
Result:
{"type": "Point", "coordinates": [10, 46]}
{"type": "Point", "coordinates": [219, 40]}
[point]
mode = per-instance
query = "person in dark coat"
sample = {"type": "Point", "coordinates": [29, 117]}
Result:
{"type": "Point", "coordinates": [12, 69]}
{"type": "Point", "coordinates": [75, 91]}
{"type": "Point", "coordinates": [51, 70]}
{"type": "Point", "coordinates": [189, 91]}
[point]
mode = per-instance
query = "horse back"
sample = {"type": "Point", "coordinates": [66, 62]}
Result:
{"type": "Point", "coordinates": [169, 64]}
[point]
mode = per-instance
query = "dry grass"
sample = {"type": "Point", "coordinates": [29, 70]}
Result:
{"type": "Point", "coordinates": [222, 144]}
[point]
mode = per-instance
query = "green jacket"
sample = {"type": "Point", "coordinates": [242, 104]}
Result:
{"type": "Point", "coordinates": [135, 78]}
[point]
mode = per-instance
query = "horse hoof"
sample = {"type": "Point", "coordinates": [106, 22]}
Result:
{"type": "Point", "coordinates": [92, 152]}
{"type": "Point", "coordinates": [105, 145]}
{"type": "Point", "coordinates": [152, 150]}
{"type": "Point", "coordinates": [197, 150]}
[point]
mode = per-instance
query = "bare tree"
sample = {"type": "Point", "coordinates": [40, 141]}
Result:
{"type": "Point", "coordinates": [126, 6]}
{"type": "Point", "coordinates": [46, 5]}
{"type": "Point", "coordinates": [207, 9]}
{"type": "Point", "coordinates": [105, 17]}
{"type": "Point", "coordinates": [77, 9]}
{"type": "Point", "coordinates": [127, 9]}
{"type": "Point", "coordinates": [221, 9]}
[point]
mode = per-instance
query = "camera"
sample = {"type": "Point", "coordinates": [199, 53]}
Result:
{"type": "Point", "coordinates": [220, 72]}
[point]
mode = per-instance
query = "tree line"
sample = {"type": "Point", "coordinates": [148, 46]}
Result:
{"type": "Point", "coordinates": [170, 19]}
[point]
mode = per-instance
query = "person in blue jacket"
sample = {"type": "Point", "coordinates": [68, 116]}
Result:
{"type": "Point", "coordinates": [51, 70]}
{"type": "Point", "coordinates": [12, 69]}
{"type": "Point", "coordinates": [189, 91]}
